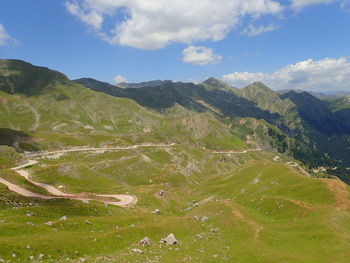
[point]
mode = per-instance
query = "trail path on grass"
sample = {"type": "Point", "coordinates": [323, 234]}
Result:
{"type": "Point", "coordinates": [97, 150]}
{"type": "Point", "coordinates": [124, 200]}
{"type": "Point", "coordinates": [235, 152]}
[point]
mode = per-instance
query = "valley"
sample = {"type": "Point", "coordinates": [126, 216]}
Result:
{"type": "Point", "coordinates": [88, 170]}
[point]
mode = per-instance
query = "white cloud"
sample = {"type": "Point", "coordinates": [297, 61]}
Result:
{"type": "Point", "coordinates": [321, 75]}
{"type": "Point", "coordinates": [297, 4]}
{"type": "Point", "coordinates": [120, 79]}
{"type": "Point", "coordinates": [251, 30]}
{"type": "Point", "coordinates": [153, 24]}
{"type": "Point", "coordinates": [194, 81]}
{"type": "Point", "coordinates": [200, 56]}
{"type": "Point", "coordinates": [90, 17]}
{"type": "Point", "coordinates": [5, 37]}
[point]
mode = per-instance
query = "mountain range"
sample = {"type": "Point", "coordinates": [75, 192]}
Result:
{"type": "Point", "coordinates": [233, 175]}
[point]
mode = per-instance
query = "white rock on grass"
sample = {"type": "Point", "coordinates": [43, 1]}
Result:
{"type": "Point", "coordinates": [146, 242]}
{"type": "Point", "coordinates": [136, 250]}
{"type": "Point", "coordinates": [49, 223]}
{"type": "Point", "coordinates": [63, 218]}
{"type": "Point", "coordinates": [204, 219]}
{"type": "Point", "coordinates": [170, 239]}
{"type": "Point", "coordinates": [156, 212]}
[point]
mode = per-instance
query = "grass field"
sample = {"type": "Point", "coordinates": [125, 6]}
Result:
{"type": "Point", "coordinates": [258, 210]}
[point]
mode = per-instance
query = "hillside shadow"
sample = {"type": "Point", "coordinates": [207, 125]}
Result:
{"type": "Point", "coordinates": [19, 140]}
{"type": "Point", "coordinates": [317, 114]}
{"type": "Point", "coordinates": [24, 78]}
{"type": "Point", "coordinates": [187, 95]}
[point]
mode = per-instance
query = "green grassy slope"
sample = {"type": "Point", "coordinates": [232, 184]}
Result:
{"type": "Point", "coordinates": [62, 113]}
{"type": "Point", "coordinates": [258, 208]}
{"type": "Point", "coordinates": [261, 211]}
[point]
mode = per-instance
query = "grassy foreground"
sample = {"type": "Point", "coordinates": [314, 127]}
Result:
{"type": "Point", "coordinates": [257, 209]}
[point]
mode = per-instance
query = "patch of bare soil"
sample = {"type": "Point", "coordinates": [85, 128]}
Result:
{"type": "Point", "coordinates": [340, 191]}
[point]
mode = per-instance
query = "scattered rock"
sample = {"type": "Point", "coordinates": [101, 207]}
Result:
{"type": "Point", "coordinates": [63, 218]}
{"type": "Point", "coordinates": [146, 242]}
{"type": "Point", "coordinates": [161, 192]}
{"type": "Point", "coordinates": [28, 246]}
{"type": "Point", "coordinates": [156, 212]}
{"type": "Point", "coordinates": [82, 259]}
{"type": "Point", "coordinates": [204, 219]}
{"type": "Point", "coordinates": [170, 239]}
{"type": "Point", "coordinates": [49, 223]}
{"type": "Point", "coordinates": [198, 236]}
{"type": "Point", "coordinates": [88, 222]}
{"type": "Point", "coordinates": [136, 250]}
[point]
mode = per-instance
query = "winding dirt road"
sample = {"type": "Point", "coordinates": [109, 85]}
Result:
{"type": "Point", "coordinates": [234, 151]}
{"type": "Point", "coordinates": [123, 200]}
{"type": "Point", "coordinates": [101, 149]}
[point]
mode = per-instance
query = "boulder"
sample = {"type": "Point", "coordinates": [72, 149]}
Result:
{"type": "Point", "coordinates": [170, 239]}
{"type": "Point", "coordinates": [156, 212]}
{"type": "Point", "coordinates": [204, 219]}
{"type": "Point", "coordinates": [146, 242]}
{"type": "Point", "coordinates": [63, 218]}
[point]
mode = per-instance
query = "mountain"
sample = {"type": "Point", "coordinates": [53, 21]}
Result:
{"type": "Point", "coordinates": [143, 84]}
{"type": "Point", "coordinates": [295, 122]}
{"type": "Point", "coordinates": [55, 107]}
{"type": "Point", "coordinates": [317, 113]}
{"type": "Point", "coordinates": [233, 174]}
{"type": "Point", "coordinates": [193, 97]}
{"type": "Point", "coordinates": [19, 77]}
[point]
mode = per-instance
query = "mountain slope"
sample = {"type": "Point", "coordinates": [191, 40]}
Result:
{"type": "Point", "coordinates": [295, 123]}
{"type": "Point", "coordinates": [223, 198]}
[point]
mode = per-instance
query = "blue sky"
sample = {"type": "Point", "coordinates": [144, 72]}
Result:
{"type": "Point", "coordinates": [301, 44]}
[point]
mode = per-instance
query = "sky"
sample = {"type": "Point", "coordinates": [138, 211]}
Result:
{"type": "Point", "coordinates": [286, 44]}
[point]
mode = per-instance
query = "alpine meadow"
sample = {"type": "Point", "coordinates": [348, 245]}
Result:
{"type": "Point", "coordinates": [174, 131]}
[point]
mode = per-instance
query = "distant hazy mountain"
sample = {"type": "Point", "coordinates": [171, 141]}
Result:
{"type": "Point", "coordinates": [320, 95]}
{"type": "Point", "coordinates": [143, 84]}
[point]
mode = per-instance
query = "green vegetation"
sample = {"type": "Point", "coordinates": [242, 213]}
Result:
{"type": "Point", "coordinates": [8, 157]}
{"type": "Point", "coordinates": [255, 206]}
